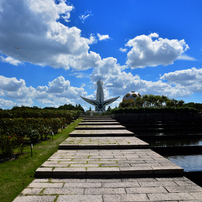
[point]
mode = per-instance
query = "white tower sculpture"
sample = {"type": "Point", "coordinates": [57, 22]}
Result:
{"type": "Point", "coordinates": [100, 103]}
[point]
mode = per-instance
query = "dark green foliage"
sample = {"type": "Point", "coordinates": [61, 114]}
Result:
{"type": "Point", "coordinates": [156, 104]}
{"type": "Point", "coordinates": [34, 136]}
{"type": "Point", "coordinates": [197, 106]}
{"type": "Point", "coordinates": [109, 109]}
{"type": "Point", "coordinates": [28, 125]}
{"type": "Point", "coordinates": [154, 110]}
{"type": "Point", "coordinates": [71, 107]}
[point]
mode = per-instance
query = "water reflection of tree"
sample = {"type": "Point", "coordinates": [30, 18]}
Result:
{"type": "Point", "coordinates": [176, 142]}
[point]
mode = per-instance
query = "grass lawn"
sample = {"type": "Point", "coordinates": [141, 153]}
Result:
{"type": "Point", "coordinates": [15, 175]}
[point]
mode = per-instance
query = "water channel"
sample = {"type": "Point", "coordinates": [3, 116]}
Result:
{"type": "Point", "coordinates": [176, 142]}
{"type": "Point", "coordinates": [180, 142]}
{"type": "Point", "coordinates": [189, 162]}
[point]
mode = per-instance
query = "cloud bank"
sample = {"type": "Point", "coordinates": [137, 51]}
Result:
{"type": "Point", "coordinates": [181, 83]}
{"type": "Point", "coordinates": [56, 93]}
{"type": "Point", "coordinates": [189, 78]}
{"type": "Point", "coordinates": [31, 31]}
{"type": "Point", "coordinates": [174, 84]}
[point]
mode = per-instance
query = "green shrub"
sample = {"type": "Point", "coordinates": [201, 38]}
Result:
{"type": "Point", "coordinates": [33, 136]}
{"type": "Point", "coordinates": [24, 124]}
{"type": "Point", "coordinates": [7, 144]}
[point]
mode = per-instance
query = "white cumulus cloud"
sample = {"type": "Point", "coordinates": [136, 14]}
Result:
{"type": "Point", "coordinates": [103, 37]}
{"type": "Point", "coordinates": [58, 85]}
{"type": "Point", "coordinates": [5, 104]}
{"type": "Point", "coordinates": [31, 32]}
{"type": "Point", "coordinates": [10, 84]}
{"type": "Point", "coordinates": [58, 92]}
{"type": "Point", "coordinates": [10, 60]}
{"type": "Point", "coordinates": [189, 78]}
{"type": "Point", "coordinates": [119, 82]}
{"type": "Point", "coordinates": [151, 50]}
{"type": "Point", "coordinates": [123, 50]}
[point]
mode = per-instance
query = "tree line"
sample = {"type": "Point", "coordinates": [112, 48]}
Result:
{"type": "Point", "coordinates": [157, 101]}
{"type": "Point", "coordinates": [65, 106]}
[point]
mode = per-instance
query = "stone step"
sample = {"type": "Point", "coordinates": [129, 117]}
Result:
{"type": "Point", "coordinates": [98, 117]}
{"type": "Point", "coordinates": [103, 143]}
{"type": "Point", "coordinates": [123, 189]}
{"type": "Point", "coordinates": [99, 127]}
{"type": "Point", "coordinates": [99, 123]}
{"type": "Point", "coordinates": [98, 133]}
{"type": "Point", "coordinates": [107, 163]}
{"type": "Point", "coordinates": [98, 120]}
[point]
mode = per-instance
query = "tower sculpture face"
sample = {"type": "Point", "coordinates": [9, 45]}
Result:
{"type": "Point", "coordinates": [100, 103]}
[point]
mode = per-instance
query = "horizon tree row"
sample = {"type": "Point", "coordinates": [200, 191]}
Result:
{"type": "Point", "coordinates": [151, 101]}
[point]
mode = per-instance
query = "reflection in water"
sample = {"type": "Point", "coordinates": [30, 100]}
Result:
{"type": "Point", "coordinates": [176, 139]}
{"type": "Point", "coordinates": [188, 162]}
{"type": "Point", "coordinates": [169, 134]}
{"type": "Point", "coordinates": [169, 141]}
{"type": "Point", "coordinates": [174, 143]}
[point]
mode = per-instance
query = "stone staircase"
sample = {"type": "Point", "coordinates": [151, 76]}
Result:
{"type": "Point", "coordinates": [102, 161]}
{"type": "Point", "coordinates": [87, 153]}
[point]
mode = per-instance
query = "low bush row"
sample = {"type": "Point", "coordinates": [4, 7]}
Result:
{"type": "Point", "coordinates": [37, 113]}
{"type": "Point", "coordinates": [153, 110]}
{"type": "Point", "coordinates": [30, 126]}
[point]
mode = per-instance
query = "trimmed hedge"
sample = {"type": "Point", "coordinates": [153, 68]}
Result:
{"type": "Point", "coordinates": [38, 113]}
{"type": "Point", "coordinates": [154, 110]}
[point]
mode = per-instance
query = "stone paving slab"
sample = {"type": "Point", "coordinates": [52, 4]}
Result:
{"type": "Point", "coordinates": [103, 143]}
{"type": "Point", "coordinates": [99, 123]}
{"type": "Point", "coordinates": [116, 163]}
{"type": "Point", "coordinates": [99, 127]}
{"type": "Point", "coordinates": [94, 118]}
{"type": "Point", "coordinates": [96, 133]}
{"type": "Point", "coordinates": [173, 189]}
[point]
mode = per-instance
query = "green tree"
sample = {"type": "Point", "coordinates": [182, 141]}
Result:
{"type": "Point", "coordinates": [109, 109]}
{"type": "Point", "coordinates": [127, 103]}
{"type": "Point", "coordinates": [139, 102]}
{"type": "Point", "coordinates": [152, 100]}
{"type": "Point", "coordinates": [180, 103]}
{"type": "Point", "coordinates": [145, 100]}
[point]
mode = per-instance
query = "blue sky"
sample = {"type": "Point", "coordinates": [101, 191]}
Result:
{"type": "Point", "coordinates": [53, 52]}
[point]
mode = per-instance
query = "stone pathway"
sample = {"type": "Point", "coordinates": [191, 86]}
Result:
{"type": "Point", "coordinates": [108, 165]}
{"type": "Point", "coordinates": [112, 190]}
{"type": "Point", "coordinates": [103, 143]}
{"type": "Point", "coordinates": [116, 163]}
{"type": "Point", "coordinates": [98, 133]}
{"type": "Point", "coordinates": [102, 122]}
{"type": "Point", "coordinates": [100, 127]}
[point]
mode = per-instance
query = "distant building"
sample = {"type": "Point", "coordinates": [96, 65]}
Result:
{"type": "Point", "coordinates": [132, 95]}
